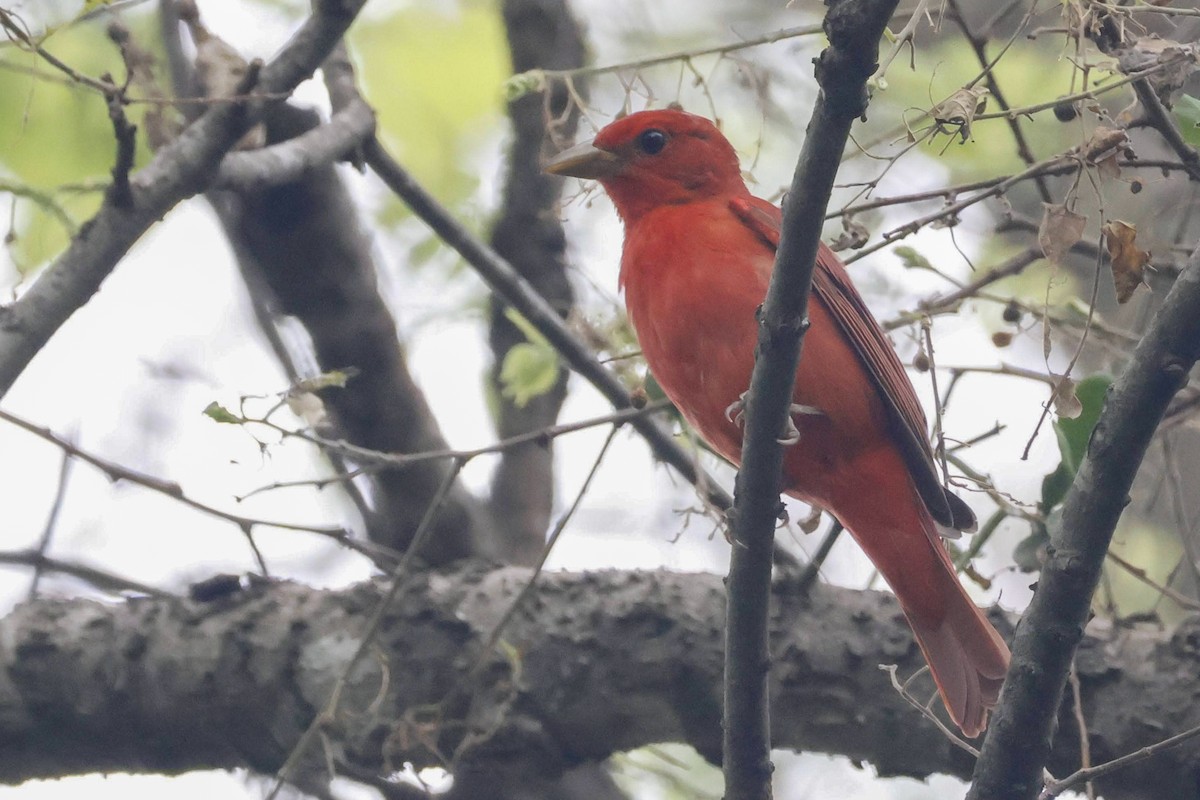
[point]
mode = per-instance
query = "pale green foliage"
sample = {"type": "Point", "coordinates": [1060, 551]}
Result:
{"type": "Point", "coordinates": [53, 133]}
{"type": "Point", "coordinates": [436, 79]}
{"type": "Point", "coordinates": [1187, 114]}
{"type": "Point", "coordinates": [670, 771]}
{"type": "Point", "coordinates": [530, 369]}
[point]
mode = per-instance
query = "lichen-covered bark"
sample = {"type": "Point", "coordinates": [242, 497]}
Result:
{"type": "Point", "coordinates": [596, 663]}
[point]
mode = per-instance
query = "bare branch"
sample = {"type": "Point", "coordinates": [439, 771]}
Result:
{"type": "Point", "coordinates": [179, 170]}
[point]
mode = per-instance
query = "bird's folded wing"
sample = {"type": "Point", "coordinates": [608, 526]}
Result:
{"type": "Point", "coordinates": [831, 284]}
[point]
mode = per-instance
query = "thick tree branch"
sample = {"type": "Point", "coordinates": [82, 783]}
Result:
{"type": "Point", "coordinates": [605, 662]}
{"type": "Point", "coordinates": [1018, 743]}
{"type": "Point", "coordinates": [854, 28]}
{"type": "Point", "coordinates": [529, 235]}
{"type": "Point", "coordinates": [303, 244]}
{"type": "Point", "coordinates": [295, 159]}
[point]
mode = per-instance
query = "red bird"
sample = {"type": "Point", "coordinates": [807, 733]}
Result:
{"type": "Point", "coordinates": [698, 254]}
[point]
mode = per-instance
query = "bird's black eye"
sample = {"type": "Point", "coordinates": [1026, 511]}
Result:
{"type": "Point", "coordinates": [652, 142]}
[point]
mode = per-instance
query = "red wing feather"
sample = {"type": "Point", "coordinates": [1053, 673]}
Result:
{"type": "Point", "coordinates": [832, 286]}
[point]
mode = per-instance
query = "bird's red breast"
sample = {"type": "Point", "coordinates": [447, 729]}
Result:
{"type": "Point", "coordinates": [698, 254]}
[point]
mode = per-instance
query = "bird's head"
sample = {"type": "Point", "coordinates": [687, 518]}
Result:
{"type": "Point", "coordinates": [655, 158]}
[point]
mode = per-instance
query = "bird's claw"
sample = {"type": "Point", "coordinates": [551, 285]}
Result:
{"type": "Point", "coordinates": [735, 412]}
{"type": "Point", "coordinates": [791, 434]}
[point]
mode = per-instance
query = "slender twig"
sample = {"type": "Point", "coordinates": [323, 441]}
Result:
{"type": "Point", "coordinates": [1056, 788]}
{"type": "Point", "coordinates": [813, 568]}
{"type": "Point", "coordinates": [1147, 9]}
{"type": "Point", "coordinates": [118, 472]}
{"type": "Point", "coordinates": [980, 538]}
{"type": "Point", "coordinates": [1089, 94]}
{"type": "Point", "coordinates": [105, 581]}
{"type": "Point", "coordinates": [377, 460]}
{"type": "Point", "coordinates": [979, 45]}
{"type": "Point", "coordinates": [489, 645]}
{"type": "Point", "coordinates": [120, 193]}
{"type": "Point", "coordinates": [1140, 574]}
{"type": "Point", "coordinates": [953, 209]}
{"type": "Point", "coordinates": [1085, 743]}
{"type": "Point", "coordinates": [950, 192]}
{"type": "Point", "coordinates": [667, 58]}
{"type": "Point", "coordinates": [903, 690]}
{"type": "Point", "coordinates": [60, 494]}
{"type": "Point", "coordinates": [18, 34]}
{"type": "Point", "coordinates": [904, 38]}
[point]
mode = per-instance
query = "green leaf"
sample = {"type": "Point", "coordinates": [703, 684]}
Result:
{"type": "Point", "coordinates": [1073, 434]}
{"type": "Point", "coordinates": [333, 378]}
{"type": "Point", "coordinates": [1055, 485]}
{"type": "Point", "coordinates": [529, 370]}
{"type": "Point", "coordinates": [1187, 114]}
{"type": "Point", "coordinates": [218, 413]}
{"type": "Point", "coordinates": [435, 74]}
{"type": "Point", "coordinates": [911, 258]}
{"type": "Point", "coordinates": [524, 83]}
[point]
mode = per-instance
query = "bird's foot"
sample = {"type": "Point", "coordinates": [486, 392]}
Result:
{"type": "Point", "coordinates": [735, 412]}
{"type": "Point", "coordinates": [791, 434]}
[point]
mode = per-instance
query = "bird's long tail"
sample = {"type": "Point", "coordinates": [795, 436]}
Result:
{"type": "Point", "coordinates": [966, 655]}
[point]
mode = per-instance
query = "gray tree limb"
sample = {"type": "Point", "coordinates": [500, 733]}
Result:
{"type": "Point", "coordinates": [303, 247]}
{"type": "Point", "coordinates": [529, 235]}
{"type": "Point", "coordinates": [180, 170]}
{"type": "Point", "coordinates": [594, 663]}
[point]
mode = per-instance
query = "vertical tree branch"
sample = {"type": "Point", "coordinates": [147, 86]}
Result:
{"type": "Point", "coordinates": [854, 28]}
{"type": "Point", "coordinates": [1018, 744]}
{"type": "Point", "coordinates": [529, 235]}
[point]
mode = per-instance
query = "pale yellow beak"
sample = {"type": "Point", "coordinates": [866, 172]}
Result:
{"type": "Point", "coordinates": [585, 160]}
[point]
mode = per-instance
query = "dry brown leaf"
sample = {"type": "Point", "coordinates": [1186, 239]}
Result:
{"type": "Point", "coordinates": [956, 113]}
{"type": "Point", "coordinates": [853, 236]}
{"type": "Point", "coordinates": [1061, 229]}
{"type": "Point", "coordinates": [1168, 63]}
{"type": "Point", "coordinates": [812, 521]}
{"type": "Point", "coordinates": [1129, 262]}
{"type": "Point", "coordinates": [1103, 147]}
{"type": "Point", "coordinates": [1066, 402]}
